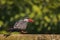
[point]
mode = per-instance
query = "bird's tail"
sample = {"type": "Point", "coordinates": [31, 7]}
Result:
{"type": "Point", "coordinates": [7, 35]}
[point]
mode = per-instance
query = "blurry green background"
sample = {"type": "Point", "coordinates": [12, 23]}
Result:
{"type": "Point", "coordinates": [45, 13]}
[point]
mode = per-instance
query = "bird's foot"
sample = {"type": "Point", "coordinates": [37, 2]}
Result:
{"type": "Point", "coordinates": [24, 32]}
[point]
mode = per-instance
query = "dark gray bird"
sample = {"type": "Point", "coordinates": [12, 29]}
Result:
{"type": "Point", "coordinates": [20, 25]}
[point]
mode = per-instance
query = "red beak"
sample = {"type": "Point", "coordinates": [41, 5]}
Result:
{"type": "Point", "coordinates": [30, 20]}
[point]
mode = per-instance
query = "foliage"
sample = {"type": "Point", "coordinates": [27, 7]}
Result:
{"type": "Point", "coordinates": [46, 14]}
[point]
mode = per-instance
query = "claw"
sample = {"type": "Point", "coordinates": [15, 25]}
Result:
{"type": "Point", "coordinates": [23, 31]}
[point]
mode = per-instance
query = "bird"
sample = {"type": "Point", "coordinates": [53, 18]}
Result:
{"type": "Point", "coordinates": [20, 25]}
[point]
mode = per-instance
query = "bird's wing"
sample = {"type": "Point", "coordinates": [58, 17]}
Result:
{"type": "Point", "coordinates": [20, 24]}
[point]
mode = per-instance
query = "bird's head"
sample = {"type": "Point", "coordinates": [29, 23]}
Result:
{"type": "Point", "coordinates": [28, 20]}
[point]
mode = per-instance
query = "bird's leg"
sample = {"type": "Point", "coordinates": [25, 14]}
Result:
{"type": "Point", "coordinates": [23, 31]}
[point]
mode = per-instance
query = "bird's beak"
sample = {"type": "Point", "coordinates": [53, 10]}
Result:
{"type": "Point", "coordinates": [30, 20]}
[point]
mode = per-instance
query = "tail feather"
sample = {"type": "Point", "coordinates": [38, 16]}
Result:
{"type": "Point", "coordinates": [7, 35]}
{"type": "Point", "coordinates": [9, 32]}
